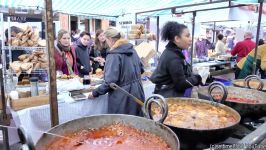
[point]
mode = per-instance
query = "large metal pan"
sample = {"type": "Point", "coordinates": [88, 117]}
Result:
{"type": "Point", "coordinates": [103, 120]}
{"type": "Point", "coordinates": [255, 110]}
{"type": "Point", "coordinates": [248, 82]}
{"type": "Point", "coordinates": [188, 135]}
{"type": "Point", "coordinates": [191, 137]}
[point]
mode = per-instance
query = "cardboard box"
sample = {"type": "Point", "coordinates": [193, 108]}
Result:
{"type": "Point", "coordinates": [146, 51]}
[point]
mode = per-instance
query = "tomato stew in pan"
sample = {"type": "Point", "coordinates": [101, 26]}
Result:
{"type": "Point", "coordinates": [112, 137]}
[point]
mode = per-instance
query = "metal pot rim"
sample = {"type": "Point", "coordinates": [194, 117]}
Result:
{"type": "Point", "coordinates": [236, 81]}
{"type": "Point", "coordinates": [233, 88]}
{"type": "Point", "coordinates": [160, 125]}
{"type": "Point", "coordinates": [197, 100]}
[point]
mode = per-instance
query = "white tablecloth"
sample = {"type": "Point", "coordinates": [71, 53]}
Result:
{"type": "Point", "coordinates": [36, 120]}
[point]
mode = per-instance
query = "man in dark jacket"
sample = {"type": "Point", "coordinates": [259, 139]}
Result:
{"type": "Point", "coordinates": [123, 67]}
{"type": "Point", "coordinates": [82, 54]}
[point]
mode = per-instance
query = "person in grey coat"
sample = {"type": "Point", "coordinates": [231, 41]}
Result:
{"type": "Point", "coordinates": [82, 54]}
{"type": "Point", "coordinates": [124, 68]}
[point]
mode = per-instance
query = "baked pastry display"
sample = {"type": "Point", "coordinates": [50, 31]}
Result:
{"type": "Point", "coordinates": [30, 62]}
{"type": "Point", "coordinates": [64, 76]}
{"type": "Point", "coordinates": [28, 37]}
{"type": "Point", "coordinates": [138, 32]}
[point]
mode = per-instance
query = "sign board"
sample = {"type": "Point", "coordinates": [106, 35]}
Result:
{"type": "Point", "coordinates": [21, 19]}
{"type": "Point", "coordinates": [125, 24]}
{"type": "Point", "coordinates": [64, 22]}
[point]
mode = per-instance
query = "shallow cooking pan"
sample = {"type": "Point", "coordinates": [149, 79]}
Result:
{"type": "Point", "coordinates": [249, 82]}
{"type": "Point", "coordinates": [248, 102]}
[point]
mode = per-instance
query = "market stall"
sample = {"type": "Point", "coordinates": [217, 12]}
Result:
{"type": "Point", "coordinates": [36, 119]}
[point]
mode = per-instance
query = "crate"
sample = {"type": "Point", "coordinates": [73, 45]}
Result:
{"type": "Point", "coordinates": [26, 101]}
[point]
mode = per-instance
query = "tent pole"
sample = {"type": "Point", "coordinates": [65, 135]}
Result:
{"type": "Point", "coordinates": [4, 118]}
{"type": "Point", "coordinates": [257, 37]}
{"type": "Point", "coordinates": [214, 32]}
{"type": "Point", "coordinates": [193, 32]}
{"type": "Point", "coordinates": [136, 18]}
{"type": "Point", "coordinates": [52, 70]}
{"type": "Point", "coordinates": [158, 33]}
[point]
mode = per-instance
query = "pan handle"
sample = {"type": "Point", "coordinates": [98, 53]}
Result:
{"type": "Point", "coordinates": [221, 86]}
{"type": "Point", "coordinates": [116, 87]}
{"type": "Point", "coordinates": [25, 139]}
{"type": "Point", "coordinates": [159, 100]}
{"type": "Point", "coordinates": [251, 77]}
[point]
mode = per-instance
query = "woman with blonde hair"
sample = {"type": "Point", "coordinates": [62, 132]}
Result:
{"type": "Point", "coordinates": [123, 67]}
{"type": "Point", "coordinates": [65, 56]}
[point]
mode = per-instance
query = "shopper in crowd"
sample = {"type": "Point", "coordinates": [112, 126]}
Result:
{"type": "Point", "coordinates": [242, 48]}
{"type": "Point", "coordinates": [173, 74]}
{"type": "Point", "coordinates": [123, 67]}
{"type": "Point", "coordinates": [244, 66]}
{"type": "Point", "coordinates": [261, 42]}
{"type": "Point", "coordinates": [231, 41]}
{"type": "Point", "coordinates": [75, 34]}
{"type": "Point", "coordinates": [82, 54]}
{"type": "Point", "coordinates": [201, 46]}
{"type": "Point", "coordinates": [262, 69]}
{"type": "Point", "coordinates": [65, 56]}
{"type": "Point", "coordinates": [72, 36]}
{"type": "Point", "coordinates": [220, 47]}
{"type": "Point", "coordinates": [99, 51]}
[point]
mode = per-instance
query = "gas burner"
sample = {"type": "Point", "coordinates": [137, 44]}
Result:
{"type": "Point", "coordinates": [248, 133]}
{"type": "Point", "coordinates": [253, 124]}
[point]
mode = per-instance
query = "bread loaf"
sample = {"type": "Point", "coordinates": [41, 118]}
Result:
{"type": "Point", "coordinates": [15, 42]}
{"type": "Point", "coordinates": [138, 32]}
{"type": "Point", "coordinates": [26, 66]}
{"type": "Point", "coordinates": [133, 36]}
{"type": "Point", "coordinates": [26, 60]}
{"type": "Point", "coordinates": [15, 66]}
{"type": "Point", "coordinates": [44, 65]}
{"type": "Point", "coordinates": [37, 66]}
{"type": "Point", "coordinates": [35, 37]}
{"type": "Point", "coordinates": [30, 42]}
{"type": "Point", "coordinates": [19, 35]}
{"type": "Point", "coordinates": [137, 26]}
{"type": "Point", "coordinates": [42, 43]}
{"type": "Point", "coordinates": [23, 57]}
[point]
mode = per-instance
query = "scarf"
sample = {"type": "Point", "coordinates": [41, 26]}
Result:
{"type": "Point", "coordinates": [62, 52]}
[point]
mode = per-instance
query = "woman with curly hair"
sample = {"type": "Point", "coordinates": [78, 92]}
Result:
{"type": "Point", "coordinates": [173, 74]}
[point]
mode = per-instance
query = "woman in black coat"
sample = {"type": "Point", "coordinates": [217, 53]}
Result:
{"type": "Point", "coordinates": [123, 67]}
{"type": "Point", "coordinates": [82, 54]}
{"type": "Point", "coordinates": [173, 74]}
